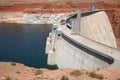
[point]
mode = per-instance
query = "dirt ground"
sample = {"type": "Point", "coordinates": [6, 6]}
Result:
{"type": "Point", "coordinates": [16, 71]}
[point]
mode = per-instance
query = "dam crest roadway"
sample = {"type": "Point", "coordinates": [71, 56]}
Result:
{"type": "Point", "coordinates": [83, 40]}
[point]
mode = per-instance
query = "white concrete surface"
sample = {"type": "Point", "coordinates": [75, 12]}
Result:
{"type": "Point", "coordinates": [70, 56]}
{"type": "Point", "coordinates": [96, 35]}
{"type": "Point", "coordinates": [97, 27]}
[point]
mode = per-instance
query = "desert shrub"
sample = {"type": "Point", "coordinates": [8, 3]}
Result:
{"type": "Point", "coordinates": [97, 76]}
{"type": "Point", "coordinates": [8, 78]}
{"type": "Point", "coordinates": [38, 72]}
{"type": "Point", "coordinates": [118, 79]}
{"type": "Point", "coordinates": [17, 72]}
{"type": "Point", "coordinates": [52, 67]}
{"type": "Point", "coordinates": [13, 63]}
{"type": "Point", "coordinates": [98, 69]}
{"type": "Point", "coordinates": [64, 77]}
{"type": "Point", "coordinates": [87, 72]}
{"type": "Point", "coordinates": [100, 76]}
{"type": "Point", "coordinates": [76, 73]}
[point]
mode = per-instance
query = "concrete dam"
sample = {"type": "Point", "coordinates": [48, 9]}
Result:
{"type": "Point", "coordinates": [83, 40]}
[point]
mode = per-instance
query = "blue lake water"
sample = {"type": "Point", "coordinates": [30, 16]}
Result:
{"type": "Point", "coordinates": [24, 43]}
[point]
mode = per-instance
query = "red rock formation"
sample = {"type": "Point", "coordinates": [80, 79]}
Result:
{"type": "Point", "coordinates": [112, 9]}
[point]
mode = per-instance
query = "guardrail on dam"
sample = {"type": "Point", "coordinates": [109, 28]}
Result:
{"type": "Point", "coordinates": [88, 50]}
{"type": "Point", "coordinates": [70, 50]}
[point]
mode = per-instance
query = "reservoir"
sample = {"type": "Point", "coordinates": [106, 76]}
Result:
{"type": "Point", "coordinates": [24, 43]}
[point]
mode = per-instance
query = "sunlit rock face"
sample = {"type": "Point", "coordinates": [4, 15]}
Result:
{"type": "Point", "coordinates": [39, 18]}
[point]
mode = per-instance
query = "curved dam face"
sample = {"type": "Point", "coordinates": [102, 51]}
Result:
{"type": "Point", "coordinates": [97, 27]}
{"type": "Point", "coordinates": [83, 51]}
{"type": "Point", "coordinates": [70, 56]}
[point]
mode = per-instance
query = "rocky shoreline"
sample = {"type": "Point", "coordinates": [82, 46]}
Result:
{"type": "Point", "coordinates": [28, 18]}
{"type": "Point", "coordinates": [39, 18]}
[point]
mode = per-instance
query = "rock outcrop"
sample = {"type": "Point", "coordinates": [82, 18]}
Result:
{"type": "Point", "coordinates": [39, 18]}
{"type": "Point", "coordinates": [38, 6]}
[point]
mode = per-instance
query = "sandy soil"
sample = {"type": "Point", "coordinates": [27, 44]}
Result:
{"type": "Point", "coordinates": [22, 72]}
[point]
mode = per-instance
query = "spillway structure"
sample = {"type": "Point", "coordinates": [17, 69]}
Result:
{"type": "Point", "coordinates": [83, 40]}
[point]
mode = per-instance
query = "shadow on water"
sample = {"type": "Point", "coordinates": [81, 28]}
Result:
{"type": "Point", "coordinates": [24, 43]}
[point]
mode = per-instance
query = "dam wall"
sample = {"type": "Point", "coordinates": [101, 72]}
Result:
{"type": "Point", "coordinates": [82, 51]}
{"type": "Point", "coordinates": [70, 56]}
{"type": "Point", "coordinates": [97, 27]}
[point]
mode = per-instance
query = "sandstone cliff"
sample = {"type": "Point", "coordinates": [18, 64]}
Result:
{"type": "Point", "coordinates": [58, 6]}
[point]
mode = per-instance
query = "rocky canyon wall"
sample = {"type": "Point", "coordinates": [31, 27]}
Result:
{"type": "Point", "coordinates": [22, 7]}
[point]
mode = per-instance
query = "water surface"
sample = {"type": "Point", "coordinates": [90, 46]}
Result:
{"type": "Point", "coordinates": [24, 43]}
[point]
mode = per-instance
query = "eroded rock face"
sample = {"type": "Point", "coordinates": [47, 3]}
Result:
{"type": "Point", "coordinates": [11, 17]}
{"type": "Point", "coordinates": [24, 6]}
{"type": "Point", "coordinates": [114, 16]}
{"type": "Point", "coordinates": [39, 18]}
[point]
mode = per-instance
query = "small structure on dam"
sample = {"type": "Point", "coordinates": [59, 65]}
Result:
{"type": "Point", "coordinates": [92, 6]}
{"type": "Point", "coordinates": [83, 40]}
{"type": "Point", "coordinates": [76, 23]}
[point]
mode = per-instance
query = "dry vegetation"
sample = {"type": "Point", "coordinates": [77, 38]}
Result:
{"type": "Point", "coordinates": [21, 72]}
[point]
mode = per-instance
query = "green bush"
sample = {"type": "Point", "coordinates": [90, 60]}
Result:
{"type": "Point", "coordinates": [76, 73]}
{"type": "Point", "coordinates": [97, 76]}
{"type": "Point", "coordinates": [17, 72]}
{"type": "Point", "coordinates": [8, 78]}
{"type": "Point", "coordinates": [118, 79]}
{"type": "Point", "coordinates": [38, 72]}
{"type": "Point", "coordinates": [87, 72]}
{"type": "Point", "coordinates": [92, 74]}
{"type": "Point", "coordinates": [98, 69]}
{"type": "Point", "coordinates": [13, 63]}
{"type": "Point", "coordinates": [100, 76]}
{"type": "Point", "coordinates": [64, 77]}
{"type": "Point", "coordinates": [52, 67]}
